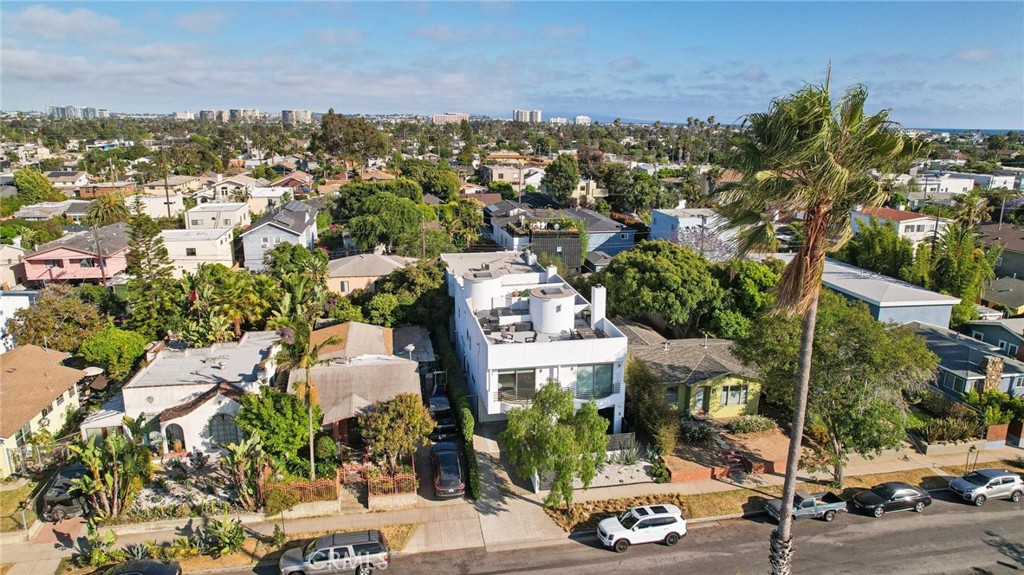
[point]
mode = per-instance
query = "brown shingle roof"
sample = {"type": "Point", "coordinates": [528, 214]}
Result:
{"type": "Point", "coordinates": [356, 339]}
{"type": "Point", "coordinates": [30, 379]}
{"type": "Point", "coordinates": [688, 361]}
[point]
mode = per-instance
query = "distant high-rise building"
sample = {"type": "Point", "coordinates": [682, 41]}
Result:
{"type": "Point", "coordinates": [102, 113]}
{"type": "Point", "coordinates": [67, 112]}
{"type": "Point", "coordinates": [527, 116]}
{"type": "Point", "coordinates": [89, 113]}
{"type": "Point", "coordinates": [558, 121]}
{"type": "Point", "coordinates": [221, 116]}
{"type": "Point", "coordinates": [183, 116]}
{"type": "Point", "coordinates": [581, 120]}
{"type": "Point", "coordinates": [450, 118]}
{"type": "Point", "coordinates": [243, 115]}
{"type": "Point", "coordinates": [295, 117]}
{"type": "Point", "coordinates": [207, 115]}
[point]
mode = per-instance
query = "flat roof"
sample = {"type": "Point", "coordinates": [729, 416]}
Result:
{"type": "Point", "coordinates": [223, 362]}
{"type": "Point", "coordinates": [218, 207]}
{"type": "Point", "coordinates": [498, 263]}
{"type": "Point", "coordinates": [192, 235]}
{"type": "Point", "coordinates": [874, 288]}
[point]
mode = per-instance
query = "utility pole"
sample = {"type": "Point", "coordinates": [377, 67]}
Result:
{"type": "Point", "coordinates": [423, 239]}
{"type": "Point", "coordinates": [167, 190]}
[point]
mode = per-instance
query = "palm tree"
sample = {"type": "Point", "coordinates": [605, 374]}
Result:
{"type": "Point", "coordinates": [105, 210]}
{"type": "Point", "coordinates": [302, 354]}
{"type": "Point", "coordinates": [806, 156]}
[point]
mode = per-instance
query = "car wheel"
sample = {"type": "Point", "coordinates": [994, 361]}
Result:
{"type": "Point", "coordinates": [364, 569]}
{"type": "Point", "coordinates": [829, 515]}
{"type": "Point", "coordinates": [919, 507]}
{"type": "Point", "coordinates": [879, 511]}
{"type": "Point", "coordinates": [621, 545]}
{"type": "Point", "coordinates": [1016, 496]}
{"type": "Point", "coordinates": [980, 500]}
{"type": "Point", "coordinates": [59, 514]}
{"type": "Point", "coordinates": [671, 539]}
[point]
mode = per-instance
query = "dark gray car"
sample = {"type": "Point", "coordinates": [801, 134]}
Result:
{"type": "Point", "coordinates": [979, 486]}
{"type": "Point", "coordinates": [360, 552]}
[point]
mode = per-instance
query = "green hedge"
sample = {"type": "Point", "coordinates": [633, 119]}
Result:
{"type": "Point", "coordinates": [460, 404]}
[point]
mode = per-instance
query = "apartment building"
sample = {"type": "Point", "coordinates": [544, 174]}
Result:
{"type": "Point", "coordinates": [188, 249]}
{"type": "Point", "coordinates": [218, 215]}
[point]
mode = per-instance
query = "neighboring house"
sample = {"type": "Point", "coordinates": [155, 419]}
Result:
{"type": "Point", "coordinates": [68, 182]}
{"type": "Point", "coordinates": [36, 393]}
{"type": "Point", "coordinates": [217, 215]}
{"type": "Point", "coordinates": [1011, 238]}
{"type": "Point", "coordinates": [700, 376]}
{"type": "Point", "coordinates": [966, 363]}
{"type": "Point", "coordinates": [603, 233]}
{"type": "Point", "coordinates": [1006, 334]}
{"type": "Point", "coordinates": [47, 210]}
{"type": "Point", "coordinates": [156, 205]}
{"type": "Point", "coordinates": [666, 224]}
{"type": "Point", "coordinates": [230, 189]}
{"type": "Point", "coordinates": [175, 184]}
{"type": "Point", "coordinates": [1006, 293]}
{"type": "Point", "coordinates": [509, 173]}
{"type": "Point", "coordinates": [597, 261]}
{"type": "Point", "coordinates": [74, 256]}
{"type": "Point", "coordinates": [188, 249]}
{"type": "Point", "coordinates": [263, 199]}
{"type": "Point", "coordinates": [192, 394]}
{"type": "Point", "coordinates": [888, 299]}
{"type": "Point", "coordinates": [345, 275]}
{"type": "Point", "coordinates": [92, 191]}
{"type": "Point", "coordinates": [588, 191]}
{"type": "Point", "coordinates": [909, 225]}
{"type": "Point", "coordinates": [293, 223]}
{"type": "Point", "coordinates": [376, 176]}
{"type": "Point", "coordinates": [10, 303]}
{"type": "Point", "coordinates": [356, 373]}
{"type": "Point", "coordinates": [517, 325]}
{"type": "Point", "coordinates": [299, 182]}
{"type": "Point", "coordinates": [12, 271]}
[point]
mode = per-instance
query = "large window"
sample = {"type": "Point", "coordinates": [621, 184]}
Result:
{"type": "Point", "coordinates": [734, 395]}
{"type": "Point", "coordinates": [513, 385]}
{"type": "Point", "coordinates": [594, 380]}
{"type": "Point", "coordinates": [223, 429]}
{"type": "Point", "coordinates": [190, 252]}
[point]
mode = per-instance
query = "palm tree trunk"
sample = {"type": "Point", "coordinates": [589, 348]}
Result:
{"type": "Point", "coordinates": [781, 538]}
{"type": "Point", "coordinates": [312, 465]}
{"type": "Point", "coordinates": [99, 254]}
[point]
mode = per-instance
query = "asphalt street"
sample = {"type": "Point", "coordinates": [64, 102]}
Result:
{"type": "Point", "coordinates": [949, 537]}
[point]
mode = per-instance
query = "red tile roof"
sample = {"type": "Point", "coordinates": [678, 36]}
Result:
{"type": "Point", "coordinates": [891, 214]}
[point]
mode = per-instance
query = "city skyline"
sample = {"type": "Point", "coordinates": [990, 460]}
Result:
{"type": "Point", "coordinates": [952, 65]}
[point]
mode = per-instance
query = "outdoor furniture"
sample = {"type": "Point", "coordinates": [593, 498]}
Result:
{"type": "Point", "coordinates": [531, 338]}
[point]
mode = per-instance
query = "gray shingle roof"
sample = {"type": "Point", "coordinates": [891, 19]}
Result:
{"type": "Point", "coordinates": [687, 361]}
{"type": "Point", "coordinates": [346, 388]}
{"type": "Point", "coordinates": [1007, 292]}
{"type": "Point", "coordinates": [293, 217]}
{"type": "Point", "coordinates": [366, 265]}
{"type": "Point", "coordinates": [113, 238]}
{"type": "Point", "coordinates": [960, 354]}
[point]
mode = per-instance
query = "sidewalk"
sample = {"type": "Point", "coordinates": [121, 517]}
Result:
{"type": "Point", "coordinates": [505, 517]}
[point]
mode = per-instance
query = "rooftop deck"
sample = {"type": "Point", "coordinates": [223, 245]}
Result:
{"type": "Point", "coordinates": [518, 328]}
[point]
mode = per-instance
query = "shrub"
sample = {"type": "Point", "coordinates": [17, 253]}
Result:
{"type": "Point", "coordinates": [949, 429]}
{"type": "Point", "coordinates": [750, 424]}
{"type": "Point", "coordinates": [660, 472]}
{"type": "Point", "coordinates": [277, 538]}
{"type": "Point", "coordinates": [665, 437]}
{"type": "Point", "coordinates": [137, 552]}
{"type": "Point", "coordinates": [325, 449]}
{"type": "Point", "coordinates": [935, 404]}
{"type": "Point", "coordinates": [696, 432]}
{"type": "Point", "coordinates": [629, 453]}
{"type": "Point", "coordinates": [224, 536]}
{"type": "Point", "coordinates": [279, 500]}
{"type": "Point", "coordinates": [198, 460]}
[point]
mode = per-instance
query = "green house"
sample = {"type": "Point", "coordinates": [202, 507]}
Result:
{"type": "Point", "coordinates": [701, 376]}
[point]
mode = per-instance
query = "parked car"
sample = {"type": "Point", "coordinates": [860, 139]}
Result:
{"type": "Point", "coordinates": [445, 426]}
{"type": "Point", "coordinates": [807, 505]}
{"type": "Point", "coordinates": [446, 462]}
{"type": "Point", "coordinates": [984, 484]}
{"type": "Point", "coordinates": [891, 496]}
{"type": "Point", "coordinates": [60, 500]}
{"type": "Point", "coordinates": [647, 524]}
{"type": "Point", "coordinates": [439, 402]}
{"type": "Point", "coordinates": [362, 551]}
{"type": "Point", "coordinates": [146, 567]}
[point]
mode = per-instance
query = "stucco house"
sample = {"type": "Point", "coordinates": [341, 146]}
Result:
{"type": "Point", "coordinates": [267, 198]}
{"type": "Point", "coordinates": [218, 215]}
{"type": "Point", "coordinates": [908, 225]}
{"type": "Point", "coordinates": [176, 184]}
{"type": "Point", "coordinates": [361, 271]}
{"type": "Point", "coordinates": [1005, 333]}
{"type": "Point", "coordinates": [517, 325]}
{"type": "Point", "coordinates": [157, 205]}
{"type": "Point", "coordinates": [36, 393]}
{"type": "Point", "coordinates": [191, 396]}
{"type": "Point", "coordinates": [294, 223]}
{"type": "Point", "coordinates": [188, 249]}
{"type": "Point", "coordinates": [74, 257]}
{"type": "Point", "coordinates": [12, 272]}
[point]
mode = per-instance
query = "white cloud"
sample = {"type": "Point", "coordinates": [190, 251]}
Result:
{"type": "Point", "coordinates": [204, 21]}
{"type": "Point", "coordinates": [445, 34]}
{"type": "Point", "coordinates": [343, 37]}
{"type": "Point", "coordinates": [976, 55]}
{"type": "Point", "coordinates": [53, 24]}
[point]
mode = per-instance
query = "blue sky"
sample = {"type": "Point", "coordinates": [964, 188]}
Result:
{"type": "Point", "coordinates": [936, 64]}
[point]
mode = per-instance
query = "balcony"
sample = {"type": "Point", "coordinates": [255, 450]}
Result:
{"type": "Point", "coordinates": [599, 392]}
{"type": "Point", "coordinates": [525, 396]}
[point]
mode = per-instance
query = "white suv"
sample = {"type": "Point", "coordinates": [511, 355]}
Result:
{"type": "Point", "coordinates": [648, 524]}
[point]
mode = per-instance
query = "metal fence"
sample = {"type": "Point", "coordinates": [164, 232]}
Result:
{"type": "Point", "coordinates": [392, 484]}
{"type": "Point", "coordinates": [309, 491]}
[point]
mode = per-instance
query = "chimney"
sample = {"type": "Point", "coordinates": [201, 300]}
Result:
{"type": "Point", "coordinates": [992, 367]}
{"type": "Point", "coordinates": [551, 272]}
{"type": "Point", "coordinates": [16, 241]}
{"type": "Point", "coordinates": [598, 297]}
{"type": "Point", "coordinates": [682, 204]}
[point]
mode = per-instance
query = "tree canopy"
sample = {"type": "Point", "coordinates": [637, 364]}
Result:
{"type": "Point", "coordinates": [58, 320]}
{"type": "Point", "coordinates": [396, 427]}
{"type": "Point", "coordinates": [386, 219]}
{"type": "Point", "coordinates": [114, 349]}
{"type": "Point", "coordinates": [279, 418]}
{"type": "Point", "coordinates": [351, 138]}
{"type": "Point", "coordinates": [561, 178]}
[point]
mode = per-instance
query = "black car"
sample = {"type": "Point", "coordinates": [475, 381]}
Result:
{"type": "Point", "coordinates": [60, 500]}
{"type": "Point", "coordinates": [445, 426]}
{"type": "Point", "coordinates": [891, 496]}
{"type": "Point", "coordinates": [146, 567]}
{"type": "Point", "coordinates": [446, 462]}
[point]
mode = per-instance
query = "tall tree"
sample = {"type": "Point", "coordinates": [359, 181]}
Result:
{"type": "Point", "coordinates": [561, 178]}
{"type": "Point", "coordinates": [388, 220]}
{"type": "Point", "coordinates": [350, 138]}
{"type": "Point", "coordinates": [806, 155]}
{"type": "Point", "coordinates": [59, 319]}
{"type": "Point", "coordinates": [153, 297]}
{"type": "Point", "coordinates": [878, 247]}
{"type": "Point", "coordinates": [105, 210]}
{"type": "Point", "coordinates": [396, 427]}
{"type": "Point", "coordinates": [33, 187]}
{"type": "Point", "coordinates": [279, 418]}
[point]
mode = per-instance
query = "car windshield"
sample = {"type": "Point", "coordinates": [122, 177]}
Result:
{"type": "Point", "coordinates": [310, 548]}
{"type": "Point", "coordinates": [627, 519]}
{"type": "Point", "coordinates": [976, 478]}
{"type": "Point", "coordinates": [884, 491]}
{"type": "Point", "coordinates": [450, 469]}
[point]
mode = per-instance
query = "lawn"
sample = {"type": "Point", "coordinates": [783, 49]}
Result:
{"type": "Point", "coordinates": [585, 516]}
{"type": "Point", "coordinates": [917, 419]}
{"type": "Point", "coordinates": [10, 512]}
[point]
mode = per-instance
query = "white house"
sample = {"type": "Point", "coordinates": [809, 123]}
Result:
{"type": "Point", "coordinates": [155, 205]}
{"type": "Point", "coordinates": [263, 199]}
{"type": "Point", "coordinates": [666, 224]}
{"type": "Point", "coordinates": [190, 248]}
{"type": "Point", "coordinates": [175, 184]}
{"type": "Point", "coordinates": [517, 325]}
{"type": "Point", "coordinates": [227, 189]}
{"type": "Point", "coordinates": [193, 394]}
{"type": "Point", "coordinates": [218, 215]}
{"type": "Point", "coordinates": [10, 302]}
{"type": "Point", "coordinates": [294, 223]}
{"type": "Point", "coordinates": [910, 225]}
